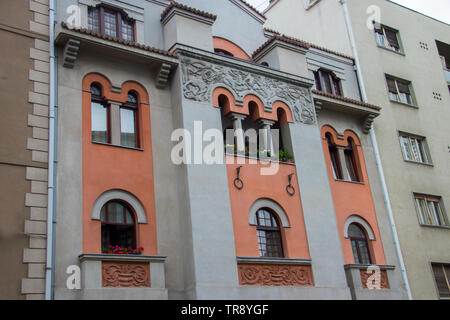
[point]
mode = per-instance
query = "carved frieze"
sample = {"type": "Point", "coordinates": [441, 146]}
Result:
{"type": "Point", "coordinates": [200, 78]}
{"type": "Point", "coordinates": [125, 274]}
{"type": "Point", "coordinates": [384, 283]}
{"type": "Point", "coordinates": [275, 275]}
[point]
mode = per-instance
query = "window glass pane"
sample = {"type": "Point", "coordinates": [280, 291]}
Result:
{"type": "Point", "coordinates": [355, 232]}
{"type": "Point", "coordinates": [127, 30]}
{"type": "Point", "coordinates": [423, 211]}
{"type": "Point", "coordinates": [99, 119]}
{"type": "Point", "coordinates": [380, 37]}
{"type": "Point", "coordinates": [415, 148]}
{"type": "Point", "coordinates": [93, 20]}
{"type": "Point", "coordinates": [406, 148]}
{"type": "Point", "coordinates": [355, 251]}
{"type": "Point", "coordinates": [365, 257]}
{"type": "Point", "coordinates": [129, 217]}
{"type": "Point", "coordinates": [110, 23]}
{"type": "Point", "coordinates": [392, 39]}
{"type": "Point", "coordinates": [127, 127]}
{"type": "Point", "coordinates": [432, 213]}
{"type": "Point", "coordinates": [115, 212]}
{"type": "Point", "coordinates": [422, 151]}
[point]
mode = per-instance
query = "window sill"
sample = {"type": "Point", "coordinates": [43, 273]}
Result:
{"type": "Point", "coordinates": [266, 260]}
{"type": "Point", "coordinates": [420, 163]}
{"type": "Point", "coordinates": [404, 104]}
{"type": "Point", "coordinates": [117, 146]}
{"type": "Point", "coordinates": [435, 227]}
{"type": "Point", "coordinates": [348, 181]}
{"type": "Point", "coordinates": [390, 50]}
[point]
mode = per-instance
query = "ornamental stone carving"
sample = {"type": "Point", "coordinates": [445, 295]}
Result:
{"type": "Point", "coordinates": [200, 78]}
{"type": "Point", "coordinates": [275, 275]}
{"type": "Point", "coordinates": [384, 283]}
{"type": "Point", "coordinates": [125, 275]}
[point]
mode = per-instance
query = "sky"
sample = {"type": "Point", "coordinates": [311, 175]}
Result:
{"type": "Point", "coordinates": [438, 9]}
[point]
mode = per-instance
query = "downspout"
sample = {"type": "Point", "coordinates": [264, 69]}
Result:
{"type": "Point", "coordinates": [373, 138]}
{"type": "Point", "coordinates": [49, 268]}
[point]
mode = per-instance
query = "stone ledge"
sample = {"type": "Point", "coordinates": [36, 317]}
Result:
{"type": "Point", "coordinates": [121, 257]}
{"type": "Point", "coordinates": [277, 261]}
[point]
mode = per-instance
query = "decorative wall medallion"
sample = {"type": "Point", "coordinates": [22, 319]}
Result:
{"type": "Point", "coordinates": [384, 283]}
{"type": "Point", "coordinates": [200, 78]}
{"type": "Point", "coordinates": [275, 275]}
{"type": "Point", "coordinates": [125, 275]}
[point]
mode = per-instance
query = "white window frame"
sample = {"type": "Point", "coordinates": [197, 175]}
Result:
{"type": "Point", "coordinates": [414, 151]}
{"type": "Point", "coordinates": [386, 43]}
{"type": "Point", "coordinates": [400, 98]}
{"type": "Point", "coordinates": [428, 212]}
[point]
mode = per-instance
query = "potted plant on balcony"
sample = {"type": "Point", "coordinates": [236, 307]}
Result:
{"type": "Point", "coordinates": [119, 250]}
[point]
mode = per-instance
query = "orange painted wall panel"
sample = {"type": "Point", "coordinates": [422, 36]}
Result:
{"type": "Point", "coordinates": [272, 187]}
{"type": "Point", "coordinates": [108, 167]}
{"type": "Point", "coordinates": [353, 199]}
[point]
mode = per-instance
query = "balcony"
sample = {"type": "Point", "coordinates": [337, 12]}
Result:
{"type": "Point", "coordinates": [110, 276]}
{"type": "Point", "coordinates": [367, 112]}
{"type": "Point", "coordinates": [444, 54]}
{"type": "Point", "coordinates": [362, 286]}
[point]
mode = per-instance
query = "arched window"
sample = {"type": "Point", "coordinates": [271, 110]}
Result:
{"type": "Point", "coordinates": [128, 122]}
{"type": "Point", "coordinates": [334, 156]}
{"type": "Point", "coordinates": [99, 115]}
{"type": "Point", "coordinates": [118, 225]}
{"type": "Point", "coordinates": [111, 22]}
{"type": "Point", "coordinates": [223, 52]}
{"type": "Point", "coordinates": [350, 161]}
{"type": "Point", "coordinates": [359, 244]}
{"type": "Point", "coordinates": [269, 234]}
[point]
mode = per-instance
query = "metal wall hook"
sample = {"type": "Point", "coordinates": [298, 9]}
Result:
{"type": "Point", "coordinates": [238, 183]}
{"type": "Point", "coordinates": [290, 188]}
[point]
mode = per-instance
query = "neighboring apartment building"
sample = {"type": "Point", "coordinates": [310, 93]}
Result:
{"type": "Point", "coordinates": [24, 85]}
{"type": "Point", "coordinates": [135, 71]}
{"type": "Point", "coordinates": [404, 60]}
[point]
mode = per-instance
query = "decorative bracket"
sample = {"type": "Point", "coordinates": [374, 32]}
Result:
{"type": "Point", "coordinates": [368, 123]}
{"type": "Point", "coordinates": [163, 75]}
{"type": "Point", "coordinates": [70, 53]}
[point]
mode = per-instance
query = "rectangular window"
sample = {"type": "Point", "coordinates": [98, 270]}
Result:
{"type": "Point", "coordinates": [414, 149]}
{"type": "Point", "coordinates": [388, 38]}
{"type": "Point", "coordinates": [327, 82]}
{"type": "Point", "coordinates": [93, 19]}
{"type": "Point", "coordinates": [430, 211]}
{"type": "Point", "coordinates": [111, 22]}
{"type": "Point", "coordinates": [128, 128]}
{"type": "Point", "coordinates": [99, 118]}
{"type": "Point", "coordinates": [442, 278]}
{"type": "Point", "coordinates": [399, 90]}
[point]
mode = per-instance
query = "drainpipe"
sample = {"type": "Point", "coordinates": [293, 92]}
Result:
{"type": "Point", "coordinates": [49, 268]}
{"type": "Point", "coordinates": [373, 138]}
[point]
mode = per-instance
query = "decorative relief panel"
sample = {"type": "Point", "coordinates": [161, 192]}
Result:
{"type": "Point", "coordinates": [200, 78]}
{"type": "Point", "coordinates": [275, 275]}
{"type": "Point", "coordinates": [384, 283]}
{"type": "Point", "coordinates": [125, 275]}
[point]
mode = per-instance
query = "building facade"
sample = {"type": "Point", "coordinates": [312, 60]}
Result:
{"type": "Point", "coordinates": [24, 93]}
{"type": "Point", "coordinates": [403, 61]}
{"type": "Point", "coordinates": [131, 74]}
{"type": "Point", "coordinates": [151, 203]}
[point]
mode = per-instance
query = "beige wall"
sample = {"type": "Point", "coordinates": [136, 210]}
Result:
{"type": "Point", "coordinates": [314, 24]}
{"type": "Point", "coordinates": [420, 245]}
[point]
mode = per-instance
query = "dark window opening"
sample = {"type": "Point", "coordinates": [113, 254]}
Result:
{"type": "Point", "coordinates": [327, 82]}
{"type": "Point", "coordinates": [118, 226]}
{"type": "Point", "coordinates": [359, 244]}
